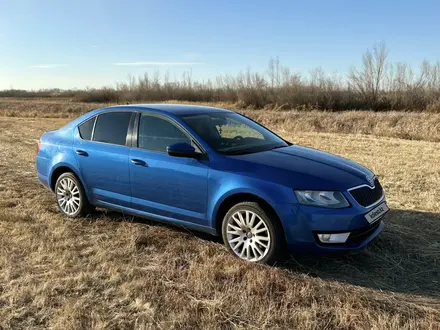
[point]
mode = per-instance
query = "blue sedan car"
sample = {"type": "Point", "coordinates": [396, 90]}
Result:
{"type": "Point", "coordinates": [215, 171]}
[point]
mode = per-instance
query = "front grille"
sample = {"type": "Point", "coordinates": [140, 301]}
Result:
{"type": "Point", "coordinates": [359, 235]}
{"type": "Point", "coordinates": [366, 196]}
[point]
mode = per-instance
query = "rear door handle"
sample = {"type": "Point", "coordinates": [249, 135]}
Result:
{"type": "Point", "coordinates": [138, 162]}
{"type": "Point", "coordinates": [82, 153]}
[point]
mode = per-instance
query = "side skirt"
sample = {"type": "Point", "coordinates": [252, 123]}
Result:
{"type": "Point", "coordinates": [156, 217]}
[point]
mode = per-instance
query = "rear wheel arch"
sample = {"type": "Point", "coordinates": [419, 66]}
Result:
{"type": "Point", "coordinates": [70, 195]}
{"type": "Point", "coordinates": [236, 198]}
{"type": "Point", "coordinates": [60, 170]}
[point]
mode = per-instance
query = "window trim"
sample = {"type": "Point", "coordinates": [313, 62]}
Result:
{"type": "Point", "coordinates": [129, 138]}
{"type": "Point", "coordinates": [93, 128]}
{"type": "Point", "coordinates": [137, 122]}
{"type": "Point", "coordinates": [129, 130]}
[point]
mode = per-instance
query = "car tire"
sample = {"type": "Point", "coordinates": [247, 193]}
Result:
{"type": "Point", "coordinates": [71, 198]}
{"type": "Point", "coordinates": [253, 233]}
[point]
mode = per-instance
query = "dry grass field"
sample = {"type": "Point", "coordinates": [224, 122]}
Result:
{"type": "Point", "coordinates": [406, 125]}
{"type": "Point", "coordinates": [111, 271]}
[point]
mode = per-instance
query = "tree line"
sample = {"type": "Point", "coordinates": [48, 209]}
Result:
{"type": "Point", "coordinates": [377, 84]}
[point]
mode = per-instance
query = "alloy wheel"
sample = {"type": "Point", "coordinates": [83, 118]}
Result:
{"type": "Point", "coordinates": [248, 235]}
{"type": "Point", "coordinates": [68, 196]}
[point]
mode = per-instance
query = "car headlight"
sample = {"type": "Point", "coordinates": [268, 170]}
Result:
{"type": "Point", "coordinates": [329, 199]}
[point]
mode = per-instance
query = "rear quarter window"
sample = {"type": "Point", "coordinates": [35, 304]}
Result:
{"type": "Point", "coordinates": [86, 129]}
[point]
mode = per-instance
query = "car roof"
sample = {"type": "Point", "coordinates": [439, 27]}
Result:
{"type": "Point", "coordinates": [176, 109]}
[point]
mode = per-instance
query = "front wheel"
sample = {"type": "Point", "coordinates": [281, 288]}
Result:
{"type": "Point", "coordinates": [250, 234]}
{"type": "Point", "coordinates": [71, 198]}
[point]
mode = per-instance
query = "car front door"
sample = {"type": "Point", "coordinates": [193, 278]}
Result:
{"type": "Point", "coordinates": [172, 187]}
{"type": "Point", "coordinates": [102, 156]}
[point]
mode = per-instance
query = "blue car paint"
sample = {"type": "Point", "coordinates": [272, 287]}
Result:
{"type": "Point", "coordinates": [190, 192]}
{"type": "Point", "coordinates": [170, 186]}
{"type": "Point", "coordinates": [105, 170]}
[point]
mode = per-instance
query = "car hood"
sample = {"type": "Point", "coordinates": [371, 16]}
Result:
{"type": "Point", "coordinates": [306, 168]}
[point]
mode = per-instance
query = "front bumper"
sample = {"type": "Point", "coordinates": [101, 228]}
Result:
{"type": "Point", "coordinates": [302, 224]}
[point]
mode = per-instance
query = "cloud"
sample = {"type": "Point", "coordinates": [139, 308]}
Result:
{"type": "Point", "coordinates": [47, 66]}
{"type": "Point", "coordinates": [156, 63]}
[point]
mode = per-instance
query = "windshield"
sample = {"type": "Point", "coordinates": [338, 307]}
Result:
{"type": "Point", "coordinates": [232, 134]}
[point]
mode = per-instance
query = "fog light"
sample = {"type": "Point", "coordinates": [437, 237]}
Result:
{"type": "Point", "coordinates": [333, 238]}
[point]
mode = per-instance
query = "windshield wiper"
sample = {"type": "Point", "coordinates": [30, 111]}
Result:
{"type": "Point", "coordinates": [277, 147]}
{"type": "Point", "coordinates": [238, 152]}
{"type": "Point", "coordinates": [253, 151]}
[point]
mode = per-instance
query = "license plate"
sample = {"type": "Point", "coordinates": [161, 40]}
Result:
{"type": "Point", "coordinates": [376, 213]}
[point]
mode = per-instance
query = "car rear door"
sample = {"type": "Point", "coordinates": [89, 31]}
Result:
{"type": "Point", "coordinates": [102, 156]}
{"type": "Point", "coordinates": [163, 185]}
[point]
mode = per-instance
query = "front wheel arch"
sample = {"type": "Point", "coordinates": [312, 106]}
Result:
{"type": "Point", "coordinates": [236, 198]}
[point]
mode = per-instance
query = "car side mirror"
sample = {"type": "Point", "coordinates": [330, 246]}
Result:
{"type": "Point", "coordinates": [182, 149]}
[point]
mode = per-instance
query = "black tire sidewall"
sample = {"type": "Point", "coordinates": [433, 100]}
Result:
{"type": "Point", "coordinates": [274, 231]}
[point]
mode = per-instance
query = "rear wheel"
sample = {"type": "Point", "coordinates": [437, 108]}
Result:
{"type": "Point", "coordinates": [71, 199]}
{"type": "Point", "coordinates": [250, 234]}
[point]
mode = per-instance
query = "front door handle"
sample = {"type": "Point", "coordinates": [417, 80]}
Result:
{"type": "Point", "coordinates": [138, 162]}
{"type": "Point", "coordinates": [82, 153]}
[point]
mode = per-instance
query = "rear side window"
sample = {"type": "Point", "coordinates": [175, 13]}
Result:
{"type": "Point", "coordinates": [157, 134]}
{"type": "Point", "coordinates": [86, 129]}
{"type": "Point", "coordinates": [112, 127]}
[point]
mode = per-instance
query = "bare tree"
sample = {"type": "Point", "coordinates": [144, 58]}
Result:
{"type": "Point", "coordinates": [375, 84]}
{"type": "Point", "coordinates": [274, 72]}
{"type": "Point", "coordinates": [369, 79]}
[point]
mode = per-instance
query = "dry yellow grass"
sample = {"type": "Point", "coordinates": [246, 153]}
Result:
{"type": "Point", "coordinates": [406, 125]}
{"type": "Point", "coordinates": [111, 271]}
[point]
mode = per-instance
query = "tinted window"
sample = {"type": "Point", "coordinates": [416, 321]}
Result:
{"type": "Point", "coordinates": [112, 127]}
{"type": "Point", "coordinates": [157, 134]}
{"type": "Point", "coordinates": [86, 129]}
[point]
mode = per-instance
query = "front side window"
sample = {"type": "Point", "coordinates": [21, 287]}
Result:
{"type": "Point", "coordinates": [86, 129]}
{"type": "Point", "coordinates": [156, 133]}
{"type": "Point", "coordinates": [112, 127]}
{"type": "Point", "coordinates": [233, 128]}
{"type": "Point", "coordinates": [232, 134]}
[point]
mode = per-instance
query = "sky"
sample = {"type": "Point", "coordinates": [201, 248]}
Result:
{"type": "Point", "coordinates": [95, 43]}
